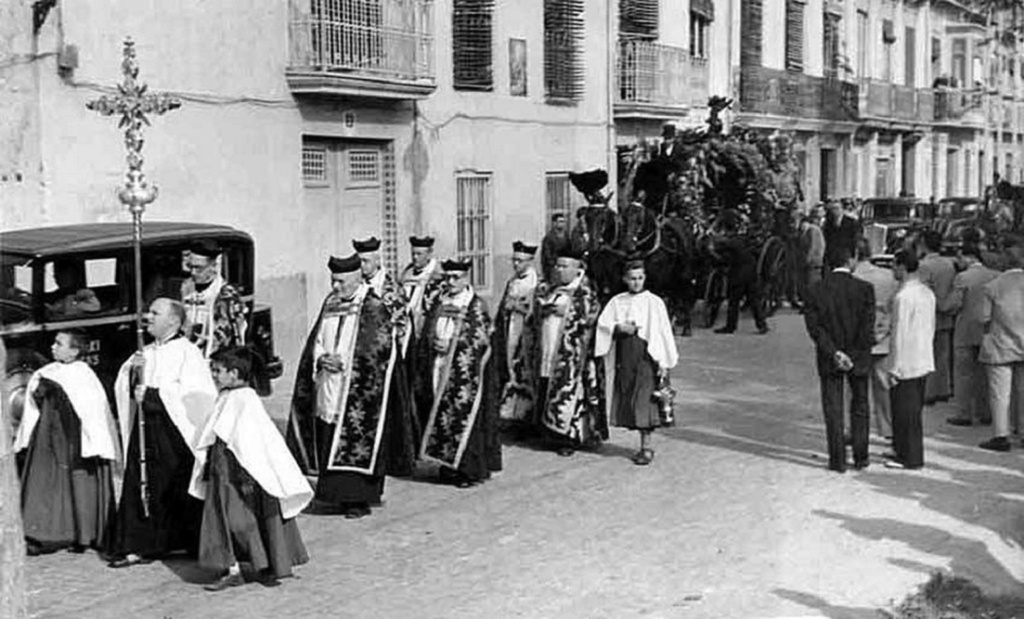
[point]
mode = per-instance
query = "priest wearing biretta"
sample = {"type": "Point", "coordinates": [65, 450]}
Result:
{"type": "Point", "coordinates": [512, 358]}
{"type": "Point", "coordinates": [339, 425]}
{"type": "Point", "coordinates": [454, 382]}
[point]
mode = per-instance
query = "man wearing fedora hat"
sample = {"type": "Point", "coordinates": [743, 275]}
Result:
{"type": "Point", "coordinates": [214, 311]}
{"type": "Point", "coordinates": [454, 382]}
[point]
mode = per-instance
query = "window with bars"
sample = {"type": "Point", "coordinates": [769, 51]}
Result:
{"type": "Point", "coordinates": [910, 57]}
{"type": "Point", "coordinates": [830, 41]}
{"type": "Point", "coordinates": [314, 165]}
{"type": "Point", "coordinates": [699, 25]}
{"type": "Point", "coordinates": [473, 222]}
{"type": "Point", "coordinates": [639, 18]}
{"type": "Point", "coordinates": [862, 44]}
{"type": "Point", "coordinates": [364, 166]}
{"type": "Point", "coordinates": [348, 33]}
{"type": "Point", "coordinates": [795, 36]}
{"type": "Point", "coordinates": [472, 56]}
{"type": "Point", "coordinates": [563, 50]}
{"type": "Point", "coordinates": [558, 195]}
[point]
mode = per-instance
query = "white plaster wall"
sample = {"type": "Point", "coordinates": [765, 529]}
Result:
{"type": "Point", "coordinates": [674, 26]}
{"type": "Point", "coordinates": [516, 139]}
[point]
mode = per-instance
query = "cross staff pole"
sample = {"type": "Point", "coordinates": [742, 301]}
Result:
{"type": "Point", "coordinates": [132, 103]}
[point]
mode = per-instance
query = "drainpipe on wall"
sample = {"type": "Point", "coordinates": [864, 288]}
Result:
{"type": "Point", "coordinates": [611, 154]}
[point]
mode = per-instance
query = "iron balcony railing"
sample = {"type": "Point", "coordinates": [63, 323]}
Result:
{"type": "Point", "coordinates": [381, 39]}
{"type": "Point", "coordinates": [656, 74]}
{"type": "Point", "coordinates": [797, 95]}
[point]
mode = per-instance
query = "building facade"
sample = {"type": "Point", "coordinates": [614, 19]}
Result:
{"type": "Point", "coordinates": [319, 122]}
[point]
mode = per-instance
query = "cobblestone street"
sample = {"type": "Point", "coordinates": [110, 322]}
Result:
{"type": "Point", "coordinates": [736, 517]}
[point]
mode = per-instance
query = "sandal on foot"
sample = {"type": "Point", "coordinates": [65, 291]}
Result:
{"type": "Point", "coordinates": [643, 457]}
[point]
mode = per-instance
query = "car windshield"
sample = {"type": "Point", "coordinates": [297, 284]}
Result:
{"type": "Point", "coordinates": [956, 208]}
{"type": "Point", "coordinates": [890, 210]}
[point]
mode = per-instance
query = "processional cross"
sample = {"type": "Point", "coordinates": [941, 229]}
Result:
{"type": "Point", "coordinates": [133, 103]}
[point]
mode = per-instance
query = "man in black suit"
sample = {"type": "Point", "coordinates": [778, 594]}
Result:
{"type": "Point", "coordinates": [840, 318]}
{"type": "Point", "coordinates": [841, 231]}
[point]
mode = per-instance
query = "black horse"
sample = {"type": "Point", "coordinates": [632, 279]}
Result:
{"type": "Point", "coordinates": [666, 245]}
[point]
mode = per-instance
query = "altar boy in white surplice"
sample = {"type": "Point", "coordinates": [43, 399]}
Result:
{"type": "Point", "coordinates": [634, 335]}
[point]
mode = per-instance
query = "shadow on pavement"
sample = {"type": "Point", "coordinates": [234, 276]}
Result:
{"type": "Point", "coordinates": [748, 445]}
{"type": "Point", "coordinates": [188, 570]}
{"type": "Point", "coordinates": [968, 558]}
{"type": "Point", "coordinates": [828, 610]}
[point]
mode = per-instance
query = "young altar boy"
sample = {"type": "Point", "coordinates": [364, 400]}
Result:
{"type": "Point", "coordinates": [251, 485]}
{"type": "Point", "coordinates": [71, 450]}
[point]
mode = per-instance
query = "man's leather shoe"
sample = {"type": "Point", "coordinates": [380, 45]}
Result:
{"type": "Point", "coordinates": [226, 582]}
{"type": "Point", "coordinates": [565, 452]}
{"type": "Point", "coordinates": [999, 443]}
{"type": "Point", "coordinates": [130, 560]}
{"type": "Point", "coordinates": [835, 469]}
{"type": "Point", "coordinates": [725, 330]}
{"type": "Point", "coordinates": [763, 330]}
{"type": "Point", "coordinates": [860, 465]}
{"type": "Point", "coordinates": [959, 421]}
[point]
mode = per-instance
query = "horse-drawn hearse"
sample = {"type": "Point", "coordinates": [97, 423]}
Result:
{"type": "Point", "coordinates": [675, 201]}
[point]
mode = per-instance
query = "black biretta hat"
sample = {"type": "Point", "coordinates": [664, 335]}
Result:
{"type": "Point", "coordinates": [205, 247]}
{"type": "Point", "coordinates": [520, 247]}
{"type": "Point", "coordinates": [421, 241]}
{"type": "Point", "coordinates": [344, 265]}
{"type": "Point", "coordinates": [455, 265]}
{"type": "Point", "coordinates": [370, 244]}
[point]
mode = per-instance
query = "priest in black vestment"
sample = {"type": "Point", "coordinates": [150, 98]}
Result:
{"type": "Point", "coordinates": [345, 394]}
{"type": "Point", "coordinates": [455, 382]}
{"type": "Point", "coordinates": [175, 397]}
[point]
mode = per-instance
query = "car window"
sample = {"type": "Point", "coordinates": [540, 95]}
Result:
{"type": "Point", "coordinates": [15, 291]}
{"type": "Point", "coordinates": [78, 288]}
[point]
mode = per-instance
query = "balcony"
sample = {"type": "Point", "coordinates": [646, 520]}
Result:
{"type": "Point", "coordinates": [957, 107]}
{"type": "Point", "coordinates": [894, 102]}
{"type": "Point", "coordinates": [658, 81]}
{"type": "Point", "coordinates": [364, 48]}
{"type": "Point", "coordinates": [783, 93]}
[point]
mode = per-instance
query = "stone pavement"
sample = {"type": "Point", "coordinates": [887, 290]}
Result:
{"type": "Point", "coordinates": [736, 517]}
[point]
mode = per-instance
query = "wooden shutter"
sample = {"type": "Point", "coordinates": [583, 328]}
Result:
{"type": "Point", "coordinates": [563, 49]}
{"type": "Point", "coordinates": [751, 20]}
{"type": "Point", "coordinates": [795, 36]}
{"type": "Point", "coordinates": [830, 51]}
{"type": "Point", "coordinates": [472, 45]}
{"type": "Point", "coordinates": [639, 18]}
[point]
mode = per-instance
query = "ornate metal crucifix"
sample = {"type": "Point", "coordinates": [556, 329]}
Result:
{"type": "Point", "coordinates": [132, 103]}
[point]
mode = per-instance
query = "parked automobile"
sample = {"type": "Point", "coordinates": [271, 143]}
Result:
{"type": "Point", "coordinates": [98, 260]}
{"type": "Point", "coordinates": [889, 222]}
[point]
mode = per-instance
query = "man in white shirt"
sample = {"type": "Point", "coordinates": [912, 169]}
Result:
{"type": "Point", "coordinates": [1002, 347]}
{"type": "Point", "coordinates": [911, 360]}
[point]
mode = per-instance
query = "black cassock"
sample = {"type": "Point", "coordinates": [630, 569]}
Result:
{"type": "Point", "coordinates": [175, 516]}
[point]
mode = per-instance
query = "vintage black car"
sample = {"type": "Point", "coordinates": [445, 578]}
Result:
{"type": "Point", "coordinates": [99, 258]}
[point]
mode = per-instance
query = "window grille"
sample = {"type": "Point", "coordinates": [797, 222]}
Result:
{"type": "Point", "coordinates": [348, 33]}
{"type": "Point", "coordinates": [751, 20]}
{"type": "Point", "coordinates": [558, 195]}
{"type": "Point", "coordinates": [472, 56]}
{"type": "Point", "coordinates": [699, 25]}
{"type": "Point", "coordinates": [563, 50]}
{"type": "Point", "coordinates": [830, 42]}
{"type": "Point", "coordinates": [389, 214]}
{"type": "Point", "coordinates": [473, 220]}
{"type": "Point", "coordinates": [364, 166]}
{"type": "Point", "coordinates": [314, 164]}
{"type": "Point", "coordinates": [638, 18]}
{"type": "Point", "coordinates": [795, 36]}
